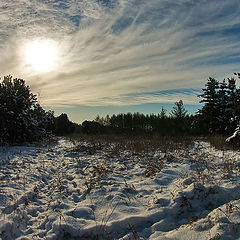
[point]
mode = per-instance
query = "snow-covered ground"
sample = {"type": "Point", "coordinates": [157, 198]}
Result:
{"type": "Point", "coordinates": [83, 192]}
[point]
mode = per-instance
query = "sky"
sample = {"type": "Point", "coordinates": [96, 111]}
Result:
{"type": "Point", "coordinates": [89, 57]}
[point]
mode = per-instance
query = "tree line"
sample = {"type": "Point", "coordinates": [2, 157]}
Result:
{"type": "Point", "coordinates": [22, 118]}
{"type": "Point", "coordinates": [179, 122]}
{"type": "Point", "coordinates": [220, 114]}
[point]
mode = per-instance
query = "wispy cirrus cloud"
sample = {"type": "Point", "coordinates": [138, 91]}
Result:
{"type": "Point", "coordinates": [122, 52]}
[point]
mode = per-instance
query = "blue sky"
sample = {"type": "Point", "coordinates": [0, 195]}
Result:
{"type": "Point", "coordinates": [120, 55]}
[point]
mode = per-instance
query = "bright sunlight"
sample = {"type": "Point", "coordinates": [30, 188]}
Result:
{"type": "Point", "coordinates": [41, 55]}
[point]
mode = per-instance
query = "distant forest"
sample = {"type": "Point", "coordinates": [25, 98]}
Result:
{"type": "Point", "coordinates": [22, 118]}
{"type": "Point", "coordinates": [219, 115]}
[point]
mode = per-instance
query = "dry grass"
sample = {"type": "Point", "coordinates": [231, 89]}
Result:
{"type": "Point", "coordinates": [219, 142]}
{"type": "Point", "coordinates": [137, 145]}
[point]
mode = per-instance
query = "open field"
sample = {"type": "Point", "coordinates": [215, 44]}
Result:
{"type": "Point", "coordinates": [119, 188]}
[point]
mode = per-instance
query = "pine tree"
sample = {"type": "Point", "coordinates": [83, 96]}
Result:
{"type": "Point", "coordinates": [163, 113]}
{"type": "Point", "coordinates": [179, 115]}
{"type": "Point", "coordinates": [210, 112]}
{"type": "Point", "coordinates": [21, 117]}
{"type": "Point", "coordinates": [179, 112]}
{"type": "Point", "coordinates": [222, 103]}
{"type": "Point", "coordinates": [235, 120]}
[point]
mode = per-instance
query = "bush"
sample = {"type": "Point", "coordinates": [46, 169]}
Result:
{"type": "Point", "coordinates": [21, 117]}
{"type": "Point", "coordinates": [63, 125]}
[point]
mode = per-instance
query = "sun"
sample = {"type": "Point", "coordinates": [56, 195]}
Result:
{"type": "Point", "coordinates": [41, 55]}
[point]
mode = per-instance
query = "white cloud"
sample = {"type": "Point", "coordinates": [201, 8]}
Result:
{"type": "Point", "coordinates": [111, 51]}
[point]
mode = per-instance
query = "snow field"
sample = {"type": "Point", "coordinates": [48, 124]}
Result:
{"type": "Point", "coordinates": [78, 190]}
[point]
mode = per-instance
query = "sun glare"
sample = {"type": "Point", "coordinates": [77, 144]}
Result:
{"type": "Point", "coordinates": [41, 55]}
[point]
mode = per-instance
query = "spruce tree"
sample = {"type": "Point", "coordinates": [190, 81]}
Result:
{"type": "Point", "coordinates": [21, 117]}
{"type": "Point", "coordinates": [209, 114]}
{"type": "Point", "coordinates": [222, 103]}
{"type": "Point", "coordinates": [179, 115]}
{"type": "Point", "coordinates": [179, 112]}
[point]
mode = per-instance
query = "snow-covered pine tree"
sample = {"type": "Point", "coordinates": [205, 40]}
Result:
{"type": "Point", "coordinates": [20, 116]}
{"type": "Point", "coordinates": [223, 101]}
{"type": "Point", "coordinates": [234, 109]}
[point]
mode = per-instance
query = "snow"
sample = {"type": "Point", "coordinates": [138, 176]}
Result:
{"type": "Point", "coordinates": [234, 136]}
{"type": "Point", "coordinates": [69, 191]}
